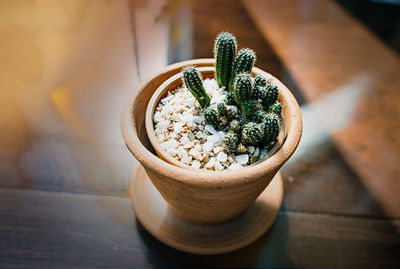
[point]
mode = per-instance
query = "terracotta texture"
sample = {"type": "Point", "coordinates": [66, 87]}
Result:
{"type": "Point", "coordinates": [206, 196]}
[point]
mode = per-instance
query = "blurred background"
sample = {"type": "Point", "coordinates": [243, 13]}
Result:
{"type": "Point", "coordinates": [68, 67]}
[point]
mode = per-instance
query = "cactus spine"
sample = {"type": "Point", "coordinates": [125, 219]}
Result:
{"type": "Point", "coordinates": [224, 52]}
{"type": "Point", "coordinates": [194, 84]}
{"type": "Point", "coordinates": [230, 141]}
{"type": "Point", "coordinates": [243, 64]}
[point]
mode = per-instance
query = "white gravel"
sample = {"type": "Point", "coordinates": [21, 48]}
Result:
{"type": "Point", "coordinates": [181, 129]}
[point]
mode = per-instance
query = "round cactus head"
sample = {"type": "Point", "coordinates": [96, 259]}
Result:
{"type": "Point", "coordinates": [252, 134]}
{"type": "Point", "coordinates": [243, 64]}
{"type": "Point", "coordinates": [276, 108]}
{"type": "Point", "coordinates": [259, 116]}
{"type": "Point", "coordinates": [235, 126]}
{"type": "Point", "coordinates": [230, 142]}
{"type": "Point", "coordinates": [211, 116]}
{"type": "Point", "coordinates": [222, 109]}
{"type": "Point", "coordinates": [260, 81]}
{"type": "Point", "coordinates": [224, 53]}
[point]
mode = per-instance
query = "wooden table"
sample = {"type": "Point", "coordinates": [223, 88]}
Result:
{"type": "Point", "coordinates": [67, 68]}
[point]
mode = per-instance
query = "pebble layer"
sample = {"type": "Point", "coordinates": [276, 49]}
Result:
{"type": "Point", "coordinates": [180, 127]}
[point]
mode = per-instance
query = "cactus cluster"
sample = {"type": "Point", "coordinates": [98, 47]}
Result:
{"type": "Point", "coordinates": [258, 119]}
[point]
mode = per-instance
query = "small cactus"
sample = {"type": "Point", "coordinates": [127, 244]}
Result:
{"type": "Point", "coordinates": [252, 134]}
{"type": "Point", "coordinates": [275, 108]}
{"type": "Point", "coordinates": [258, 93]}
{"type": "Point", "coordinates": [242, 91]}
{"type": "Point", "coordinates": [260, 81]}
{"type": "Point", "coordinates": [222, 109]}
{"type": "Point", "coordinates": [249, 107]}
{"type": "Point", "coordinates": [271, 127]}
{"type": "Point", "coordinates": [230, 99]}
{"type": "Point", "coordinates": [224, 52]}
{"type": "Point", "coordinates": [271, 95]}
{"type": "Point", "coordinates": [211, 116]}
{"type": "Point", "coordinates": [241, 148]}
{"type": "Point", "coordinates": [230, 142]}
{"type": "Point", "coordinates": [243, 64]}
{"type": "Point", "coordinates": [235, 126]}
{"type": "Point", "coordinates": [194, 84]}
{"type": "Point", "coordinates": [259, 116]}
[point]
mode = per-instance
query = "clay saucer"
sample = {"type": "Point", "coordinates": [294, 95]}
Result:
{"type": "Point", "coordinates": [155, 215]}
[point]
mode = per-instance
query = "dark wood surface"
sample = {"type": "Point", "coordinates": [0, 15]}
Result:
{"type": "Point", "coordinates": [67, 69]}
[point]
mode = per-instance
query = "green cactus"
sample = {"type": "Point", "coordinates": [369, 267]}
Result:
{"type": "Point", "coordinates": [244, 119]}
{"type": "Point", "coordinates": [211, 116]}
{"type": "Point", "coordinates": [224, 52]}
{"type": "Point", "coordinates": [249, 107]}
{"type": "Point", "coordinates": [222, 109]}
{"type": "Point", "coordinates": [258, 93]}
{"type": "Point", "coordinates": [242, 91]}
{"type": "Point", "coordinates": [230, 141]}
{"type": "Point", "coordinates": [259, 81]}
{"type": "Point", "coordinates": [252, 134]}
{"type": "Point", "coordinates": [271, 127]}
{"type": "Point", "coordinates": [275, 108]}
{"type": "Point", "coordinates": [194, 84]}
{"type": "Point", "coordinates": [271, 95]}
{"type": "Point", "coordinates": [230, 99]}
{"type": "Point", "coordinates": [235, 126]}
{"type": "Point", "coordinates": [243, 64]}
{"type": "Point", "coordinates": [259, 116]}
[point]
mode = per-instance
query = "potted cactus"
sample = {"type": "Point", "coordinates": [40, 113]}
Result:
{"type": "Point", "coordinates": [202, 118]}
{"type": "Point", "coordinates": [237, 116]}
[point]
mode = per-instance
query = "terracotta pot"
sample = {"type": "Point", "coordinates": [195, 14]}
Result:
{"type": "Point", "coordinates": [198, 195]}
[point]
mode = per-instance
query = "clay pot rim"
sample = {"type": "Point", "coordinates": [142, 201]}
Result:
{"type": "Point", "coordinates": [213, 178]}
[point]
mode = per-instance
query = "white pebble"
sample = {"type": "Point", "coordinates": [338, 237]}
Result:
{"type": "Point", "coordinates": [235, 166]}
{"type": "Point", "coordinates": [171, 144]}
{"type": "Point", "coordinates": [221, 135]}
{"type": "Point", "coordinates": [209, 128]}
{"type": "Point", "coordinates": [157, 131]}
{"type": "Point", "coordinates": [197, 147]}
{"type": "Point", "coordinates": [186, 159]}
{"type": "Point", "coordinates": [178, 127]}
{"type": "Point", "coordinates": [188, 145]}
{"type": "Point", "coordinates": [210, 163]}
{"type": "Point", "coordinates": [218, 166]}
{"type": "Point", "coordinates": [172, 152]}
{"type": "Point", "coordinates": [242, 158]}
{"type": "Point", "coordinates": [207, 147]}
{"type": "Point", "coordinates": [215, 139]}
{"type": "Point", "coordinates": [195, 154]}
{"type": "Point", "coordinates": [256, 152]}
{"type": "Point", "coordinates": [162, 125]}
{"type": "Point", "coordinates": [197, 120]}
{"type": "Point", "coordinates": [250, 149]}
{"type": "Point", "coordinates": [217, 149]}
{"type": "Point", "coordinates": [222, 157]}
{"type": "Point", "coordinates": [182, 153]}
{"type": "Point", "coordinates": [184, 140]}
{"type": "Point", "coordinates": [158, 117]}
{"type": "Point", "coordinates": [190, 101]}
{"type": "Point", "coordinates": [196, 164]}
{"type": "Point", "coordinates": [263, 153]}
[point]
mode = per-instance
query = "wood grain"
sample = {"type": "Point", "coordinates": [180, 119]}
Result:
{"type": "Point", "coordinates": [62, 230]}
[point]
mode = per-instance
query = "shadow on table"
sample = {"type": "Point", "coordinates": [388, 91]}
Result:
{"type": "Point", "coordinates": [267, 251]}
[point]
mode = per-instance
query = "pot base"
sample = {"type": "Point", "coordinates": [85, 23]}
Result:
{"type": "Point", "coordinates": [157, 218]}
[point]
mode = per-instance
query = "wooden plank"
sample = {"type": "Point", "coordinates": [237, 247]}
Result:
{"type": "Point", "coordinates": [351, 79]}
{"type": "Point", "coordinates": [60, 230]}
